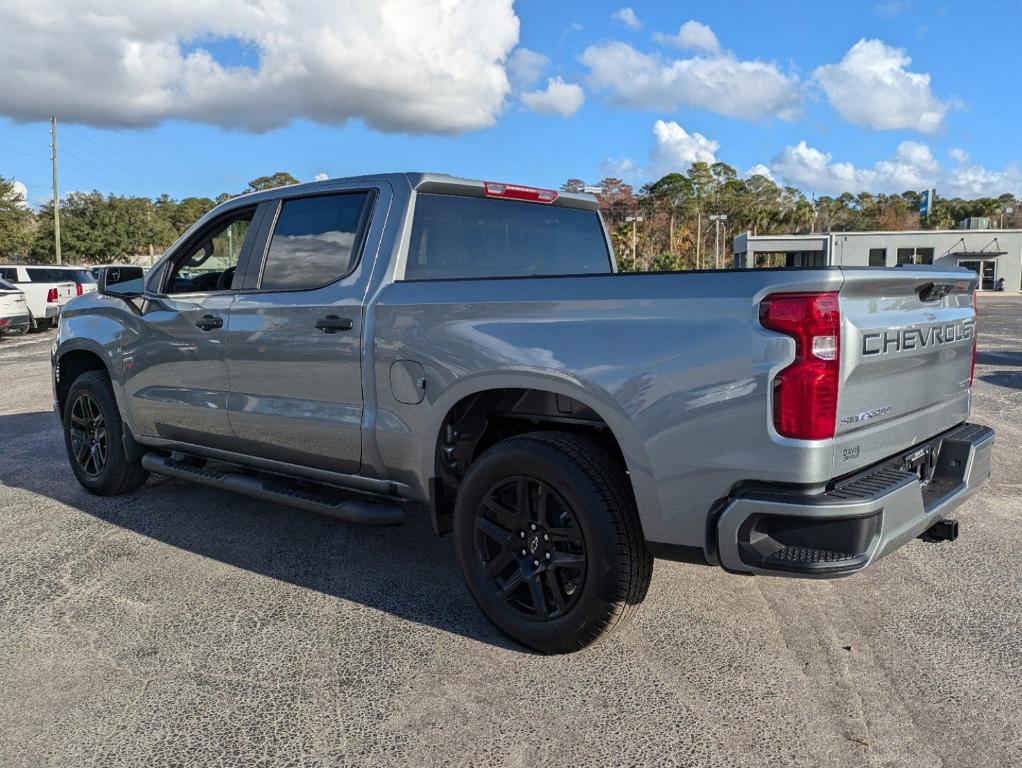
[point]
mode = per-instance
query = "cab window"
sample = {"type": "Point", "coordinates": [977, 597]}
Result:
{"type": "Point", "coordinates": [210, 260]}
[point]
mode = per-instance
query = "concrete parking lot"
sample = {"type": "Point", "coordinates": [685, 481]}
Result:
{"type": "Point", "coordinates": [185, 626]}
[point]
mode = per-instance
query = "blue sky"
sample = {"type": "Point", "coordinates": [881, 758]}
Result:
{"type": "Point", "coordinates": [204, 97]}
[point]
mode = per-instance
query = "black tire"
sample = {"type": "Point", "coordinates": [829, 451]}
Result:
{"type": "Point", "coordinates": [593, 566]}
{"type": "Point", "coordinates": [93, 433]}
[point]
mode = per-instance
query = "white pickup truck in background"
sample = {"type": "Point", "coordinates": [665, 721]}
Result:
{"type": "Point", "coordinates": [13, 310]}
{"type": "Point", "coordinates": [47, 289]}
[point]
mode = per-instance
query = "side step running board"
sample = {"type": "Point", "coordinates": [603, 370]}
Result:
{"type": "Point", "coordinates": [350, 509]}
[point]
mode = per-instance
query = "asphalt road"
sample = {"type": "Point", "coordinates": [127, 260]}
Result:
{"type": "Point", "coordinates": [184, 626]}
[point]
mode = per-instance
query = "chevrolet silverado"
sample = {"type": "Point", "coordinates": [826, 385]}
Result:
{"type": "Point", "coordinates": [383, 346]}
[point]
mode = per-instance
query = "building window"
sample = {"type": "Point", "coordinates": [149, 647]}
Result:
{"type": "Point", "coordinates": [878, 257]}
{"type": "Point", "coordinates": [915, 255]}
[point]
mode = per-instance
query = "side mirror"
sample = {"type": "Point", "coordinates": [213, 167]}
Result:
{"type": "Point", "coordinates": [122, 282]}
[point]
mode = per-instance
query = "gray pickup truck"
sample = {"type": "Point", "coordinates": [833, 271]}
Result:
{"type": "Point", "coordinates": [376, 347]}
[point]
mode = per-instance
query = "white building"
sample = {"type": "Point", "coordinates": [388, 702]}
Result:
{"type": "Point", "coordinates": [994, 254]}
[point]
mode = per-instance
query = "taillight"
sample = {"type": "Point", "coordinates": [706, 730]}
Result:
{"type": "Point", "coordinates": [514, 192]}
{"type": "Point", "coordinates": [975, 337]}
{"type": "Point", "coordinates": [78, 288]}
{"type": "Point", "coordinates": [805, 393]}
{"type": "Point", "coordinates": [51, 296]}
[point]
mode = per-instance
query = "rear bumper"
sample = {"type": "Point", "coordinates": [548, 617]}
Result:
{"type": "Point", "coordinates": [777, 531]}
{"type": "Point", "coordinates": [13, 325]}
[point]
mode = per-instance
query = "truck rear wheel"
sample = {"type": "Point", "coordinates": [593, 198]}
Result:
{"type": "Point", "coordinates": [93, 433]}
{"type": "Point", "coordinates": [549, 541]}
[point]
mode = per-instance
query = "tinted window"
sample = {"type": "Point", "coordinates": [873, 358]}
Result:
{"type": "Point", "coordinates": [924, 255]}
{"type": "Point", "coordinates": [878, 257]}
{"type": "Point", "coordinates": [314, 241]}
{"type": "Point", "coordinates": [44, 275]}
{"type": "Point", "coordinates": [477, 237]}
{"type": "Point", "coordinates": [81, 276]}
{"type": "Point", "coordinates": [905, 255]}
{"type": "Point", "coordinates": [9, 273]}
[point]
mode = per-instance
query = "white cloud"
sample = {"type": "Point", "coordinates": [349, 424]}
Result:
{"type": "Point", "coordinates": [958, 155]}
{"type": "Point", "coordinates": [623, 168]}
{"type": "Point", "coordinates": [692, 35]}
{"type": "Point", "coordinates": [558, 98]}
{"type": "Point", "coordinates": [871, 86]}
{"type": "Point", "coordinates": [760, 170]}
{"type": "Point", "coordinates": [676, 149]}
{"type": "Point", "coordinates": [912, 167]}
{"type": "Point", "coordinates": [627, 17]}
{"type": "Point", "coordinates": [321, 177]}
{"type": "Point", "coordinates": [20, 190]}
{"type": "Point", "coordinates": [526, 67]}
{"type": "Point", "coordinates": [747, 89]}
{"type": "Point", "coordinates": [400, 65]}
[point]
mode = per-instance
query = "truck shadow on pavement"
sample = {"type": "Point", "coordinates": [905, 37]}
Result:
{"type": "Point", "coordinates": [1010, 379]}
{"type": "Point", "coordinates": [999, 357]}
{"type": "Point", "coordinates": [407, 571]}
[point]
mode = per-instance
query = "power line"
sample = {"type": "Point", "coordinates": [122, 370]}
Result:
{"type": "Point", "coordinates": [124, 166]}
{"type": "Point", "coordinates": [163, 175]}
{"type": "Point", "coordinates": [122, 180]}
{"type": "Point", "coordinates": [23, 154]}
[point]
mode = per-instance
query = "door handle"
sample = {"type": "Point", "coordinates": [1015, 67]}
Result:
{"type": "Point", "coordinates": [209, 322]}
{"type": "Point", "coordinates": [333, 324]}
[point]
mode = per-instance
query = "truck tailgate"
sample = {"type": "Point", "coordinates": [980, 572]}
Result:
{"type": "Point", "coordinates": [906, 359]}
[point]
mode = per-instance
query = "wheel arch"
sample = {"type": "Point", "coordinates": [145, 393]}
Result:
{"type": "Point", "coordinates": [598, 407]}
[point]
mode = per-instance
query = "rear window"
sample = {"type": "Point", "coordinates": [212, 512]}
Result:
{"type": "Point", "coordinates": [9, 273]}
{"type": "Point", "coordinates": [81, 276]}
{"type": "Point", "coordinates": [458, 237]}
{"type": "Point", "coordinates": [46, 275]}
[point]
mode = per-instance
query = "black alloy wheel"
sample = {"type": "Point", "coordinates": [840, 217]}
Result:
{"type": "Point", "coordinates": [88, 435]}
{"type": "Point", "coordinates": [96, 439]}
{"type": "Point", "coordinates": [531, 548]}
{"type": "Point", "coordinates": [549, 540]}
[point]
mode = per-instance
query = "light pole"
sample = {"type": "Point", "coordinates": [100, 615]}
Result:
{"type": "Point", "coordinates": [634, 220]}
{"type": "Point", "coordinates": [716, 218]}
{"type": "Point", "coordinates": [1009, 210]}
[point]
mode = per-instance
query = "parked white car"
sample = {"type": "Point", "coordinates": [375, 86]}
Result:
{"type": "Point", "coordinates": [13, 310]}
{"type": "Point", "coordinates": [47, 289]}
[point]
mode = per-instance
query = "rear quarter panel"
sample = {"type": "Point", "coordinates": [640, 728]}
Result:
{"type": "Point", "coordinates": [676, 364]}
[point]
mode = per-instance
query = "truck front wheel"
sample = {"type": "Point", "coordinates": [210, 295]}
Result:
{"type": "Point", "coordinates": [93, 433]}
{"type": "Point", "coordinates": [549, 541]}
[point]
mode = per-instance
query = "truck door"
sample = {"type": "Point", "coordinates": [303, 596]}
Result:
{"type": "Point", "coordinates": [294, 343]}
{"type": "Point", "coordinates": [175, 368]}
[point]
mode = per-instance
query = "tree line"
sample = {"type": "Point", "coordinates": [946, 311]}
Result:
{"type": "Point", "coordinates": [675, 231]}
{"type": "Point", "coordinates": [97, 228]}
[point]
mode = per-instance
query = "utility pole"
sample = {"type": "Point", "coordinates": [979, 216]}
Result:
{"type": "Point", "coordinates": [716, 218]}
{"type": "Point", "coordinates": [699, 239]}
{"type": "Point", "coordinates": [635, 225]}
{"type": "Point", "coordinates": [56, 194]}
